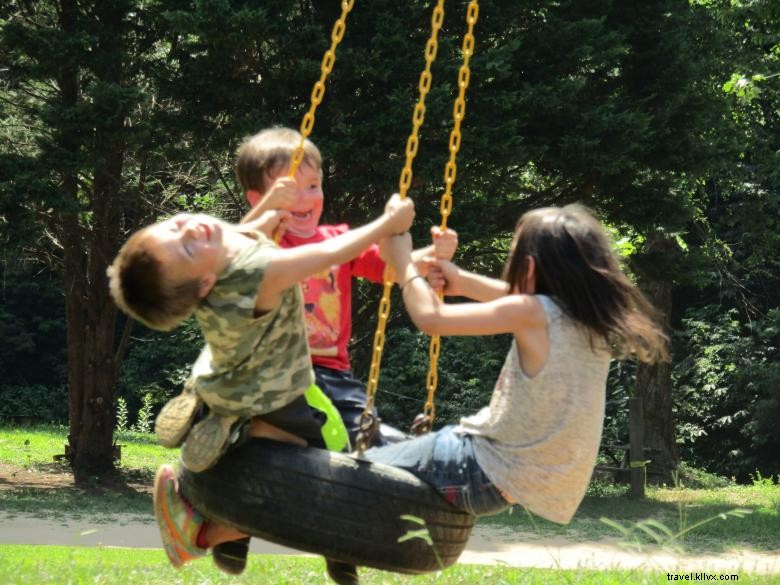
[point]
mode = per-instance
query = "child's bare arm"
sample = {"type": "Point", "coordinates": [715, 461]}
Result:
{"type": "Point", "coordinates": [292, 265]}
{"type": "Point", "coordinates": [461, 282]}
{"type": "Point", "coordinates": [445, 242]}
{"type": "Point", "coordinates": [503, 314]}
{"type": "Point", "coordinates": [268, 222]}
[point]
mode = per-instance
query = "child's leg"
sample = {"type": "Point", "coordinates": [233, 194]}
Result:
{"type": "Point", "coordinates": [214, 534]}
{"type": "Point", "coordinates": [186, 535]}
{"type": "Point", "coordinates": [446, 460]}
{"type": "Point", "coordinates": [261, 429]}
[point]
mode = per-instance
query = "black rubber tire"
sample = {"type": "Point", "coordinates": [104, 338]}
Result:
{"type": "Point", "coordinates": [330, 504]}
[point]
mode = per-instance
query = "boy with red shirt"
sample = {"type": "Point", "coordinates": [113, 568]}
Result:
{"type": "Point", "coordinates": [262, 168]}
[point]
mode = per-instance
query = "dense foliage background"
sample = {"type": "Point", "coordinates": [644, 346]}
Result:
{"type": "Point", "coordinates": [661, 115]}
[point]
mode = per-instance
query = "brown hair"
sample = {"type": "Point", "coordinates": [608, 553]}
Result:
{"type": "Point", "coordinates": [263, 155]}
{"type": "Point", "coordinates": [575, 265]}
{"type": "Point", "coordinates": [139, 288]}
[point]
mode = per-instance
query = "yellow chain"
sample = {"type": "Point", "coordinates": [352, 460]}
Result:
{"type": "Point", "coordinates": [450, 171]}
{"type": "Point", "coordinates": [318, 92]}
{"type": "Point", "coordinates": [412, 144]}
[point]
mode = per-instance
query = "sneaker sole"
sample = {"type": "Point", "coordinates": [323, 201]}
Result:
{"type": "Point", "coordinates": [206, 443]}
{"type": "Point", "coordinates": [163, 519]}
{"type": "Point", "coordinates": [175, 419]}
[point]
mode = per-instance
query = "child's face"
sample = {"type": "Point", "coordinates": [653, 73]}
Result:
{"type": "Point", "coordinates": [190, 246]}
{"type": "Point", "coordinates": [306, 211]}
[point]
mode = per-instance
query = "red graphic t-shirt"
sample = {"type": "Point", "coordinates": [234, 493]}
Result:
{"type": "Point", "coordinates": [327, 298]}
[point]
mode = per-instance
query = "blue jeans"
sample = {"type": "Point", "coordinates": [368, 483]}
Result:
{"type": "Point", "coordinates": [445, 460]}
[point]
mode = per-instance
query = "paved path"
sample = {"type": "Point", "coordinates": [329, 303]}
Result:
{"type": "Point", "coordinates": [488, 545]}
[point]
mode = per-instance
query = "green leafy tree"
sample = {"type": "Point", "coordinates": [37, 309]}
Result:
{"type": "Point", "coordinates": [727, 382]}
{"type": "Point", "coordinates": [126, 108]}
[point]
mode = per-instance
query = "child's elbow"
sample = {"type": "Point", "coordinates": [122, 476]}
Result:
{"type": "Point", "coordinates": [428, 323]}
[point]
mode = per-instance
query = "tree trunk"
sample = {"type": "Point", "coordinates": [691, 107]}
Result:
{"type": "Point", "coordinates": [91, 315]}
{"type": "Point", "coordinates": [654, 381]}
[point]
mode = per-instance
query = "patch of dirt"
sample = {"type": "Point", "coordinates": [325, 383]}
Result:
{"type": "Point", "coordinates": [13, 477]}
{"type": "Point", "coordinates": [59, 475]}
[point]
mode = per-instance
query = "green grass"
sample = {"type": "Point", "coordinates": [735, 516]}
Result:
{"type": "Point", "coordinates": [676, 508]}
{"type": "Point", "coordinates": [21, 565]}
{"type": "Point", "coordinates": [36, 447]}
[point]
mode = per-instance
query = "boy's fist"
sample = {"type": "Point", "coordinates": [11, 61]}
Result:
{"type": "Point", "coordinates": [445, 242]}
{"type": "Point", "coordinates": [400, 214]}
{"type": "Point", "coordinates": [282, 194]}
{"type": "Point", "coordinates": [445, 276]}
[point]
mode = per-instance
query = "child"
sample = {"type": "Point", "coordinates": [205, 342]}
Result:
{"type": "Point", "coordinates": [244, 291]}
{"type": "Point", "coordinates": [262, 168]}
{"type": "Point", "coordinates": [567, 304]}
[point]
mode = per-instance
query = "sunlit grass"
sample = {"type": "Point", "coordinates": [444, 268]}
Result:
{"type": "Point", "coordinates": [37, 446]}
{"type": "Point", "coordinates": [21, 565]}
{"type": "Point", "coordinates": [676, 508]}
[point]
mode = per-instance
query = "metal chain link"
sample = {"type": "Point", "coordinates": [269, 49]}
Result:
{"type": "Point", "coordinates": [318, 91]}
{"type": "Point", "coordinates": [450, 172]}
{"type": "Point", "coordinates": [412, 144]}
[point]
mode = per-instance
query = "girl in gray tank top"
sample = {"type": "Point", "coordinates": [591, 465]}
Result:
{"type": "Point", "coordinates": [570, 308]}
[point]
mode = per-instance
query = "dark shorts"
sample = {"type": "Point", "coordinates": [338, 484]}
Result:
{"type": "Point", "coordinates": [445, 459]}
{"type": "Point", "coordinates": [348, 395]}
{"type": "Point", "coordinates": [299, 419]}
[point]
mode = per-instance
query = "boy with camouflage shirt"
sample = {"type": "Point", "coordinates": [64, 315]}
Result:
{"type": "Point", "coordinates": [245, 294]}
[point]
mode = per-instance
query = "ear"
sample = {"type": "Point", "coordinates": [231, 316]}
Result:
{"type": "Point", "coordinates": [253, 197]}
{"type": "Point", "coordinates": [206, 283]}
{"type": "Point", "coordinates": [530, 276]}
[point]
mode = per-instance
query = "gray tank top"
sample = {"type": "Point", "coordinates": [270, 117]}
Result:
{"type": "Point", "coordinates": [538, 439]}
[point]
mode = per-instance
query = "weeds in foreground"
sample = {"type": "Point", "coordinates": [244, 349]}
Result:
{"type": "Point", "coordinates": [422, 533]}
{"type": "Point", "coordinates": [661, 535]}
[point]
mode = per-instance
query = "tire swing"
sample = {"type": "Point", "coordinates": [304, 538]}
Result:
{"type": "Point", "coordinates": [331, 504]}
{"type": "Point", "coordinates": [336, 505]}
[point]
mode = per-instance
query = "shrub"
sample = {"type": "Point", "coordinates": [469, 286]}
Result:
{"type": "Point", "coordinates": [36, 402]}
{"type": "Point", "coordinates": [728, 392]}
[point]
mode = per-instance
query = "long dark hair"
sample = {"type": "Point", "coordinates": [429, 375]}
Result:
{"type": "Point", "coordinates": [575, 265]}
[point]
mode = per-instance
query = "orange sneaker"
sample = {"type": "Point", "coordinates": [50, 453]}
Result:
{"type": "Point", "coordinates": [179, 523]}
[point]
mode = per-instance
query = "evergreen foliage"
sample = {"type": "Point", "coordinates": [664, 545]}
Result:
{"type": "Point", "coordinates": [662, 115]}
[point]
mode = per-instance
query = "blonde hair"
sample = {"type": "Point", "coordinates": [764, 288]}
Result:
{"type": "Point", "coordinates": [263, 155]}
{"type": "Point", "coordinates": [139, 288]}
{"type": "Point", "coordinates": [575, 264]}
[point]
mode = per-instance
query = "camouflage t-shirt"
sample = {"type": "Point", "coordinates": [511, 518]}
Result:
{"type": "Point", "coordinates": [252, 364]}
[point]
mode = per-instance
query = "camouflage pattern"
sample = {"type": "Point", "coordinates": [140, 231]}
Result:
{"type": "Point", "coordinates": [251, 365]}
